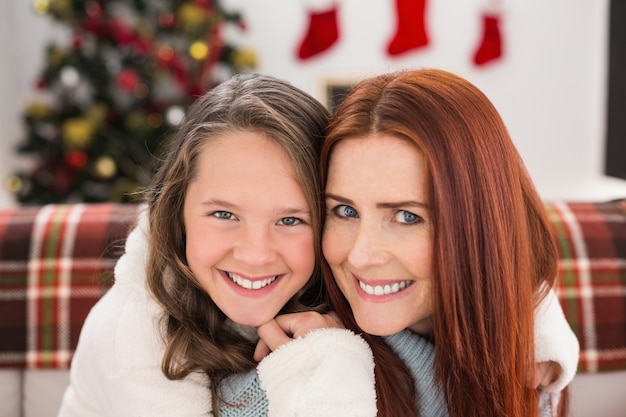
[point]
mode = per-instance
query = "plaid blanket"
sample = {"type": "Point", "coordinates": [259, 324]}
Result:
{"type": "Point", "coordinates": [592, 279]}
{"type": "Point", "coordinates": [56, 261]}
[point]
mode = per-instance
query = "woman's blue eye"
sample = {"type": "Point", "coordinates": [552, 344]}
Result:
{"type": "Point", "coordinates": [224, 215]}
{"type": "Point", "coordinates": [289, 221]}
{"type": "Point", "coordinates": [407, 217]}
{"type": "Point", "coordinates": [345, 211]}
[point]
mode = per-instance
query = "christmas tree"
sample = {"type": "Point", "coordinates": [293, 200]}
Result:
{"type": "Point", "coordinates": [112, 95]}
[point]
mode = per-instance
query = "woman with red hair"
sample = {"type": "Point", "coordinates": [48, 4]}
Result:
{"type": "Point", "coordinates": [434, 231]}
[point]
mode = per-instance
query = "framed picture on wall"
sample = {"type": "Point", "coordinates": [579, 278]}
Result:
{"type": "Point", "coordinates": [334, 91]}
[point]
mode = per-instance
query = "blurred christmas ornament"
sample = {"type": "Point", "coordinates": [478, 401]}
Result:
{"type": "Point", "coordinates": [105, 167]}
{"type": "Point", "coordinates": [199, 50]}
{"type": "Point", "coordinates": [175, 115]}
{"type": "Point", "coordinates": [69, 76]}
{"type": "Point", "coordinates": [77, 133]}
{"type": "Point", "coordinates": [76, 160]}
{"type": "Point", "coordinates": [128, 79]}
{"type": "Point", "coordinates": [14, 184]}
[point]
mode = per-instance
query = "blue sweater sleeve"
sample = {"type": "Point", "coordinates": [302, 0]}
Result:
{"type": "Point", "coordinates": [241, 395]}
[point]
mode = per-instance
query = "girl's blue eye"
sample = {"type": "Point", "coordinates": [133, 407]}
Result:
{"type": "Point", "coordinates": [407, 217]}
{"type": "Point", "coordinates": [224, 215]}
{"type": "Point", "coordinates": [289, 221]}
{"type": "Point", "coordinates": [344, 211]}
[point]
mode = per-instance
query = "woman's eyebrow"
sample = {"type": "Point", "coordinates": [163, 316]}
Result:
{"type": "Point", "coordinates": [392, 204]}
{"type": "Point", "coordinates": [339, 198]}
{"type": "Point", "coordinates": [400, 204]}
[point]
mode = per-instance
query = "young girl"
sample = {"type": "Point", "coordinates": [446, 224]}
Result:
{"type": "Point", "coordinates": [230, 238]}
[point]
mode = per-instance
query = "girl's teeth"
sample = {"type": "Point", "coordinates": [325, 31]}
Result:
{"type": "Point", "coordinates": [384, 289]}
{"type": "Point", "coordinates": [250, 285]}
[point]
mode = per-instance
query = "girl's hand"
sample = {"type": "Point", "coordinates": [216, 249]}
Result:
{"type": "Point", "coordinates": [546, 373]}
{"type": "Point", "coordinates": [287, 327]}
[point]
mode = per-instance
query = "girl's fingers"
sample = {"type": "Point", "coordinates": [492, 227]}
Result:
{"type": "Point", "coordinates": [272, 335]}
{"type": "Point", "coordinates": [287, 327]}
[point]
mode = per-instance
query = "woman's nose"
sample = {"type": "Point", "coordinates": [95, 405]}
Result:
{"type": "Point", "coordinates": [368, 247]}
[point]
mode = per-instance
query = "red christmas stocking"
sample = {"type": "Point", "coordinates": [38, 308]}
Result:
{"type": "Point", "coordinates": [490, 46]}
{"type": "Point", "coordinates": [411, 30]}
{"type": "Point", "coordinates": [321, 34]}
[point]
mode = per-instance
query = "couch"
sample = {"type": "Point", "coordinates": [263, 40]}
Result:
{"type": "Point", "coordinates": [56, 261]}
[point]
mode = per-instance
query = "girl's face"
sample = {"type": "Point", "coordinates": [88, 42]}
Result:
{"type": "Point", "coordinates": [248, 225]}
{"type": "Point", "coordinates": [378, 233]}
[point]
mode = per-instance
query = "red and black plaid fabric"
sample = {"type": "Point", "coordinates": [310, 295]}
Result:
{"type": "Point", "coordinates": [592, 279]}
{"type": "Point", "coordinates": [56, 261]}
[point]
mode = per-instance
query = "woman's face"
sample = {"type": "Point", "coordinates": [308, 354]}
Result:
{"type": "Point", "coordinates": [378, 233]}
{"type": "Point", "coordinates": [248, 226]}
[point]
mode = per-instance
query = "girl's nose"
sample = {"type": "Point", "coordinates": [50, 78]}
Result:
{"type": "Point", "coordinates": [255, 247]}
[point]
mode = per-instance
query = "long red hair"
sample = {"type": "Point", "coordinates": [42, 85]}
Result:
{"type": "Point", "coordinates": [492, 246]}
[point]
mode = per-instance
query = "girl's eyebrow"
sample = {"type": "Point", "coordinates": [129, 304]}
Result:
{"type": "Point", "coordinates": [391, 205]}
{"type": "Point", "coordinates": [218, 202]}
{"type": "Point", "coordinates": [283, 211]}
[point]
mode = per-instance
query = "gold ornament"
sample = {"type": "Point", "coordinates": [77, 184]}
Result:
{"type": "Point", "coordinates": [61, 7]}
{"type": "Point", "coordinates": [199, 50]}
{"type": "Point", "coordinates": [13, 183]}
{"type": "Point", "coordinates": [77, 133]}
{"type": "Point", "coordinates": [192, 17]}
{"type": "Point", "coordinates": [245, 59]}
{"type": "Point", "coordinates": [55, 56]}
{"type": "Point", "coordinates": [39, 110]}
{"type": "Point", "coordinates": [41, 6]}
{"type": "Point", "coordinates": [105, 168]}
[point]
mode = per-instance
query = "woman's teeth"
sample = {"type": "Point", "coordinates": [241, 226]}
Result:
{"type": "Point", "coordinates": [384, 289]}
{"type": "Point", "coordinates": [250, 285]}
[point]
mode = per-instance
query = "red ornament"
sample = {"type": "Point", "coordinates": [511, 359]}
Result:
{"type": "Point", "coordinates": [77, 42]}
{"type": "Point", "coordinates": [76, 160]}
{"type": "Point", "coordinates": [41, 84]}
{"type": "Point", "coordinates": [128, 79]}
{"type": "Point", "coordinates": [206, 4]}
{"type": "Point", "coordinates": [121, 32]}
{"type": "Point", "coordinates": [167, 20]}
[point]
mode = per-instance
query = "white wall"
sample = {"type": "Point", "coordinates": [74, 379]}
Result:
{"type": "Point", "coordinates": [550, 87]}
